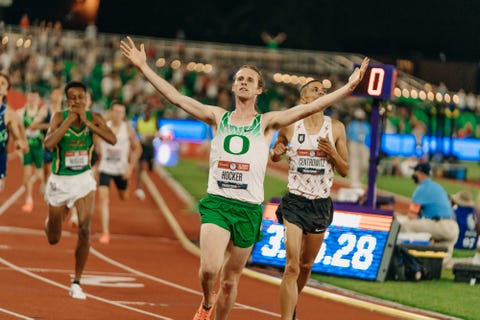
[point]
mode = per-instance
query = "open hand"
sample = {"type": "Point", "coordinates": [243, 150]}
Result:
{"type": "Point", "coordinates": [129, 50]}
{"type": "Point", "coordinates": [358, 74]}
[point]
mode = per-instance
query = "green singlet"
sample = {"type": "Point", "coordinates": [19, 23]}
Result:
{"type": "Point", "coordinates": [73, 154]}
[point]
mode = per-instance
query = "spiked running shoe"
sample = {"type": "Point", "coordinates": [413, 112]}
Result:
{"type": "Point", "coordinates": [27, 207]}
{"type": "Point", "coordinates": [204, 314]}
{"type": "Point", "coordinates": [105, 238]}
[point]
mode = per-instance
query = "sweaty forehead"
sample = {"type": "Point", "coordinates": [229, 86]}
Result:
{"type": "Point", "coordinates": [75, 91]}
{"type": "Point", "coordinates": [247, 73]}
{"type": "Point", "coordinates": [315, 84]}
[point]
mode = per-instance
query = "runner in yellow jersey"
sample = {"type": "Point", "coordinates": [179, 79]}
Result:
{"type": "Point", "coordinates": [146, 128]}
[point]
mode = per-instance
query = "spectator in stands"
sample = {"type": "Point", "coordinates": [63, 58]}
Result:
{"type": "Point", "coordinates": [91, 33]}
{"type": "Point", "coordinates": [399, 122]}
{"type": "Point", "coordinates": [232, 211]}
{"type": "Point", "coordinates": [358, 134]}
{"type": "Point", "coordinates": [273, 42]}
{"type": "Point", "coordinates": [24, 24]}
{"type": "Point", "coordinates": [431, 211]}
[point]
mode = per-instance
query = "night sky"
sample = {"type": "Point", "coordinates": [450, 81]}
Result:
{"type": "Point", "coordinates": [420, 29]}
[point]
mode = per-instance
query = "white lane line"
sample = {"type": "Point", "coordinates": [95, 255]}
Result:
{"type": "Point", "coordinates": [141, 274]}
{"type": "Point", "coordinates": [169, 283]}
{"type": "Point", "coordinates": [69, 272]}
{"type": "Point", "coordinates": [18, 315]}
{"type": "Point", "coordinates": [56, 284]}
{"type": "Point", "coordinates": [14, 197]}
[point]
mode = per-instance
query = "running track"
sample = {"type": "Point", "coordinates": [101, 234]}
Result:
{"type": "Point", "coordinates": [148, 271]}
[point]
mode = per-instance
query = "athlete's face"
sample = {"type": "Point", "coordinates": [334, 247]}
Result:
{"type": "Point", "coordinates": [33, 99]}
{"type": "Point", "coordinates": [118, 113]}
{"type": "Point", "coordinates": [77, 97]}
{"type": "Point", "coordinates": [246, 83]}
{"type": "Point", "coordinates": [312, 91]}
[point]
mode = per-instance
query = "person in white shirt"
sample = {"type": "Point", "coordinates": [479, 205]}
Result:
{"type": "Point", "coordinates": [116, 163]}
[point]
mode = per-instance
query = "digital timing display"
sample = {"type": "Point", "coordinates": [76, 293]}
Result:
{"type": "Point", "coordinates": [378, 82]}
{"type": "Point", "coordinates": [355, 245]}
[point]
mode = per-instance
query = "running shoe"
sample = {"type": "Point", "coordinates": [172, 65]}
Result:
{"type": "Point", "coordinates": [105, 238]}
{"type": "Point", "coordinates": [204, 314]}
{"type": "Point", "coordinates": [140, 194]}
{"type": "Point", "coordinates": [27, 207]}
{"type": "Point", "coordinates": [76, 292]}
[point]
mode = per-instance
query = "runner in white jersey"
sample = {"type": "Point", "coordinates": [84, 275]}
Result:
{"type": "Point", "coordinates": [232, 213]}
{"type": "Point", "coordinates": [314, 146]}
{"type": "Point", "coordinates": [310, 173]}
{"type": "Point", "coordinates": [238, 159]}
{"type": "Point", "coordinates": [116, 163]}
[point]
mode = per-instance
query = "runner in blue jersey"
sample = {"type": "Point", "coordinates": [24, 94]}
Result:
{"type": "Point", "coordinates": [9, 126]}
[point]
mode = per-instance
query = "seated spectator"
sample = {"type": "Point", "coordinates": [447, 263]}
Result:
{"type": "Point", "coordinates": [431, 211]}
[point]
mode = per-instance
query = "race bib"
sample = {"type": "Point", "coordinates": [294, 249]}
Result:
{"type": "Point", "coordinates": [233, 175]}
{"type": "Point", "coordinates": [311, 162]}
{"type": "Point", "coordinates": [113, 155]}
{"type": "Point", "coordinates": [76, 160]}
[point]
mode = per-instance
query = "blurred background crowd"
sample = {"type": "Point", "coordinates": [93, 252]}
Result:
{"type": "Point", "coordinates": [42, 55]}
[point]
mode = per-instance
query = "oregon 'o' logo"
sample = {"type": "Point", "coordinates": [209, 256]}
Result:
{"type": "Point", "coordinates": [236, 144]}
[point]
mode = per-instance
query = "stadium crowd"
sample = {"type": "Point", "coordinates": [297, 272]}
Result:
{"type": "Point", "coordinates": [46, 56]}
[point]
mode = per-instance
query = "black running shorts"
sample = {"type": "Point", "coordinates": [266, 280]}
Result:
{"type": "Point", "coordinates": [312, 216]}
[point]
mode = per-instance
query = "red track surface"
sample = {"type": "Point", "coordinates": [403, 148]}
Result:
{"type": "Point", "coordinates": [144, 273]}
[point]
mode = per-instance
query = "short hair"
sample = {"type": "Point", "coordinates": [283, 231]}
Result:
{"type": "Point", "coordinates": [307, 84]}
{"type": "Point", "coordinates": [74, 84]}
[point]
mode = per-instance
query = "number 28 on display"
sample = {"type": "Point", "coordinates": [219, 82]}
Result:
{"type": "Point", "coordinates": [345, 251]}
